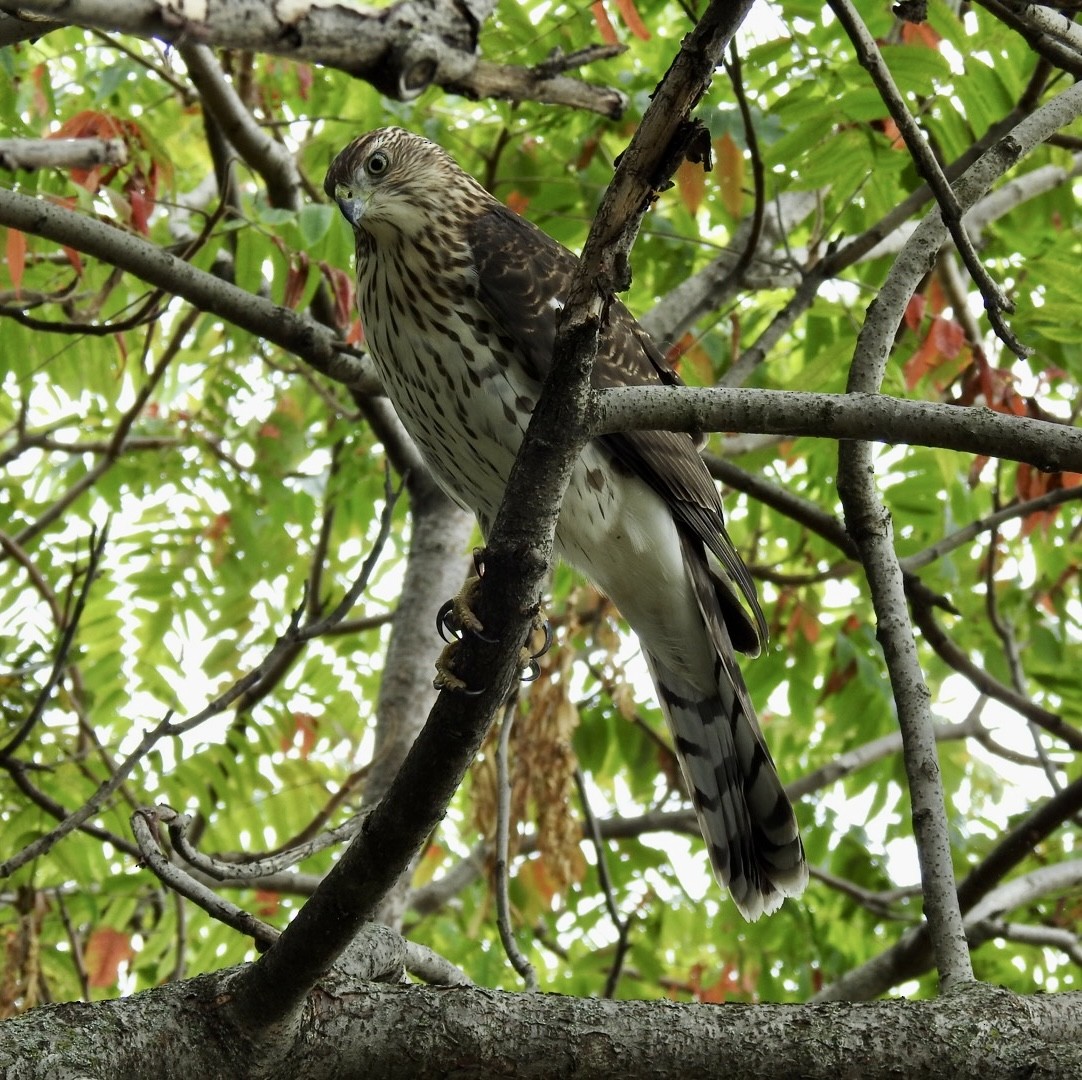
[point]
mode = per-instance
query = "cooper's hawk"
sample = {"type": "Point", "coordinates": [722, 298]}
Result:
{"type": "Point", "coordinates": [459, 299]}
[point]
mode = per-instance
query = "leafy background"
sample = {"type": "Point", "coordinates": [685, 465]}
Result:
{"type": "Point", "coordinates": [241, 468]}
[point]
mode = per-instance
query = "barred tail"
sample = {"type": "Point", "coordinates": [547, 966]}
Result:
{"type": "Point", "coordinates": [746, 818]}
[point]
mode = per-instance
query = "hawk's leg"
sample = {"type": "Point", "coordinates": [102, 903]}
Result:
{"type": "Point", "coordinates": [456, 618]}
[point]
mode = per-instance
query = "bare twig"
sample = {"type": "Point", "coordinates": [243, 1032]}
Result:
{"type": "Point", "coordinates": [144, 825]}
{"type": "Point", "coordinates": [995, 302]}
{"type": "Point", "coordinates": [622, 924]}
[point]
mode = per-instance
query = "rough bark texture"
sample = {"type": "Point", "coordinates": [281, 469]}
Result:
{"type": "Point", "coordinates": [368, 1029]}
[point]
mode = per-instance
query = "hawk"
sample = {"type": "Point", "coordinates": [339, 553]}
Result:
{"type": "Point", "coordinates": [459, 299]}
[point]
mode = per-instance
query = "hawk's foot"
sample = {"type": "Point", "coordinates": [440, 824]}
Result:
{"type": "Point", "coordinates": [445, 678]}
{"type": "Point", "coordinates": [538, 642]}
{"type": "Point", "coordinates": [457, 618]}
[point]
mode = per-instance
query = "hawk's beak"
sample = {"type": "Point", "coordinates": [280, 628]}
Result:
{"type": "Point", "coordinates": [350, 202]}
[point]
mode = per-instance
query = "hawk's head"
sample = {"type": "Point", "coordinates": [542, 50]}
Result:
{"type": "Point", "coordinates": [392, 181]}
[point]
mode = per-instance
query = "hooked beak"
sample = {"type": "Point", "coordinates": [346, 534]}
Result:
{"type": "Point", "coordinates": [350, 202]}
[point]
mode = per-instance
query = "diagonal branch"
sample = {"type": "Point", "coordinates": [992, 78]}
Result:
{"type": "Point", "coordinates": [317, 345]}
{"type": "Point", "coordinates": [869, 524]}
{"type": "Point", "coordinates": [272, 990]}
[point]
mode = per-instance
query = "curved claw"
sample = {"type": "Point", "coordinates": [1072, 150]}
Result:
{"type": "Point", "coordinates": [479, 562]}
{"type": "Point", "coordinates": [443, 623]}
{"type": "Point", "coordinates": [484, 637]}
{"type": "Point", "coordinates": [531, 672]}
{"type": "Point", "coordinates": [546, 626]}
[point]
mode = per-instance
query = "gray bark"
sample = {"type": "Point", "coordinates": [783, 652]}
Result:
{"type": "Point", "coordinates": [353, 1028]}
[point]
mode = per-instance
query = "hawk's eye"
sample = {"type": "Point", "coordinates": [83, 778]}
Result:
{"type": "Point", "coordinates": [377, 164]}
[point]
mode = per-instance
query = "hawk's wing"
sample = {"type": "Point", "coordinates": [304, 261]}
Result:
{"type": "Point", "coordinates": [523, 276]}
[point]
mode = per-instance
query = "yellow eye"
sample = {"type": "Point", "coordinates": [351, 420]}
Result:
{"type": "Point", "coordinates": [377, 164]}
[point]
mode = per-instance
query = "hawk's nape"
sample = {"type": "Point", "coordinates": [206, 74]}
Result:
{"type": "Point", "coordinates": [458, 299]}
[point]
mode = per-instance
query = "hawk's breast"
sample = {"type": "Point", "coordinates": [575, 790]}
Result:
{"type": "Point", "coordinates": [454, 379]}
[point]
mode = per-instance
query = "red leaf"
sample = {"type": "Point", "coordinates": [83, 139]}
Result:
{"type": "Point", "coordinates": [267, 903]}
{"type": "Point", "coordinates": [16, 258]}
{"type": "Point", "coordinates": [341, 285]}
{"type": "Point", "coordinates": [141, 207]}
{"type": "Point", "coordinates": [296, 279]}
{"type": "Point", "coordinates": [304, 80]}
{"type": "Point", "coordinates": [75, 259]}
{"type": "Point", "coordinates": [218, 527]}
{"type": "Point", "coordinates": [949, 337]}
{"type": "Point", "coordinates": [106, 949]}
{"type": "Point", "coordinates": [914, 311]}
{"type": "Point", "coordinates": [839, 678]}
{"type": "Point", "coordinates": [630, 14]}
{"type": "Point", "coordinates": [604, 27]}
{"type": "Point", "coordinates": [586, 154]}
{"type": "Point", "coordinates": [1031, 483]}
{"type": "Point", "coordinates": [307, 727]}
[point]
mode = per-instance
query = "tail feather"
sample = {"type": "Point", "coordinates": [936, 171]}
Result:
{"type": "Point", "coordinates": [745, 816]}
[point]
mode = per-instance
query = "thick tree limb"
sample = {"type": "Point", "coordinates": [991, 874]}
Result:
{"type": "Point", "coordinates": [401, 49]}
{"type": "Point", "coordinates": [181, 1030]}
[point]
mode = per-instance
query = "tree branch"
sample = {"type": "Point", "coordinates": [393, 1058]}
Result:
{"type": "Point", "coordinates": [873, 417]}
{"type": "Point", "coordinates": [401, 49]}
{"type": "Point", "coordinates": [316, 345]}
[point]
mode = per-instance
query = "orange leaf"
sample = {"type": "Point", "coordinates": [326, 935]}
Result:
{"type": "Point", "coordinates": [16, 258]}
{"type": "Point", "coordinates": [604, 27]}
{"type": "Point", "coordinates": [890, 129]}
{"type": "Point", "coordinates": [920, 34]}
{"type": "Point", "coordinates": [936, 296]}
{"type": "Point", "coordinates": [691, 183]}
{"type": "Point", "coordinates": [517, 202]}
{"type": "Point", "coordinates": [106, 949]}
{"type": "Point", "coordinates": [943, 342]}
{"type": "Point", "coordinates": [730, 173]}
{"type": "Point", "coordinates": [630, 14]}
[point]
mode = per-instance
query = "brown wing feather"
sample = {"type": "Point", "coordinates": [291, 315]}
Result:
{"type": "Point", "coordinates": [525, 296]}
